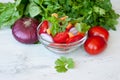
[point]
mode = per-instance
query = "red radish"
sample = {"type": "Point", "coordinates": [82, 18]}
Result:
{"type": "Point", "coordinates": [43, 27]}
{"type": "Point", "coordinates": [73, 30]}
{"type": "Point", "coordinates": [46, 37]}
{"type": "Point", "coordinates": [25, 30]}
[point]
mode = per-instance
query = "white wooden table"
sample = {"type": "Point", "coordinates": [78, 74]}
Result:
{"type": "Point", "coordinates": [34, 62]}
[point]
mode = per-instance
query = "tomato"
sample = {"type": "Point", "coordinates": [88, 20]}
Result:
{"type": "Point", "coordinates": [43, 27]}
{"type": "Point", "coordinates": [61, 37]}
{"type": "Point", "coordinates": [98, 31]}
{"type": "Point", "coordinates": [74, 38]}
{"type": "Point", "coordinates": [95, 45]}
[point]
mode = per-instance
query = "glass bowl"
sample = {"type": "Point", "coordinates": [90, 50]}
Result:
{"type": "Point", "coordinates": [60, 48]}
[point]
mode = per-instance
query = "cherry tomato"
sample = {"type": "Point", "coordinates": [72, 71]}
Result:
{"type": "Point", "coordinates": [98, 31]}
{"type": "Point", "coordinates": [43, 27]}
{"type": "Point", "coordinates": [74, 38]}
{"type": "Point", "coordinates": [95, 45]}
{"type": "Point", "coordinates": [61, 37]}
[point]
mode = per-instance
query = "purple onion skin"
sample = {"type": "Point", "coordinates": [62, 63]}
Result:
{"type": "Point", "coordinates": [24, 30]}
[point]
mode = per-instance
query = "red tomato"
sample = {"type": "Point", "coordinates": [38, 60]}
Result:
{"type": "Point", "coordinates": [74, 38]}
{"type": "Point", "coordinates": [95, 45]}
{"type": "Point", "coordinates": [98, 31]}
{"type": "Point", "coordinates": [61, 37]}
{"type": "Point", "coordinates": [43, 27]}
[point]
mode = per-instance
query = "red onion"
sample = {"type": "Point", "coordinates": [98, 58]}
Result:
{"type": "Point", "coordinates": [25, 30]}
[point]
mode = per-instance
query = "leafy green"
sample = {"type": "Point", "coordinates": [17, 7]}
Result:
{"type": "Point", "coordinates": [9, 13]}
{"type": "Point", "coordinates": [57, 25]}
{"type": "Point", "coordinates": [82, 27]}
{"type": "Point", "coordinates": [99, 10]}
{"type": "Point", "coordinates": [34, 9]}
{"type": "Point", "coordinates": [63, 64]}
{"type": "Point", "coordinates": [89, 12]}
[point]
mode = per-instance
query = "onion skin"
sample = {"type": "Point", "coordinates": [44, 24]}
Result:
{"type": "Point", "coordinates": [24, 30]}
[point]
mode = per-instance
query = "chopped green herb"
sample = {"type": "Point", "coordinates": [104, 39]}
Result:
{"type": "Point", "coordinates": [82, 27]}
{"type": "Point", "coordinates": [57, 25]}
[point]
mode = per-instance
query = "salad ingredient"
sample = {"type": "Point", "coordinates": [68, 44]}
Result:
{"type": "Point", "coordinates": [47, 37]}
{"type": "Point", "coordinates": [11, 11]}
{"type": "Point", "coordinates": [69, 26]}
{"type": "Point", "coordinates": [57, 25]}
{"type": "Point", "coordinates": [70, 34]}
{"type": "Point", "coordinates": [75, 38]}
{"type": "Point", "coordinates": [62, 31]}
{"type": "Point", "coordinates": [82, 27]}
{"type": "Point", "coordinates": [98, 31]}
{"type": "Point", "coordinates": [55, 15]}
{"type": "Point", "coordinates": [73, 30]}
{"type": "Point", "coordinates": [61, 37]}
{"type": "Point", "coordinates": [95, 45]}
{"type": "Point", "coordinates": [44, 26]}
{"type": "Point", "coordinates": [63, 64]}
{"type": "Point", "coordinates": [48, 31]}
{"type": "Point", "coordinates": [94, 12]}
{"type": "Point", "coordinates": [64, 18]}
{"type": "Point", "coordinates": [25, 30]}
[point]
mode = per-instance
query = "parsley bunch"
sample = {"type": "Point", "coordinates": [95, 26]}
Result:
{"type": "Point", "coordinates": [89, 12]}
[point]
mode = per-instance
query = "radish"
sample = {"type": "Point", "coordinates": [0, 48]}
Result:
{"type": "Point", "coordinates": [73, 30]}
{"type": "Point", "coordinates": [46, 37]}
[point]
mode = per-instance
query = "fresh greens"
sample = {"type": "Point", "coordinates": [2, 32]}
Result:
{"type": "Point", "coordinates": [89, 12]}
{"type": "Point", "coordinates": [82, 27]}
{"type": "Point", "coordinates": [10, 12]}
{"type": "Point", "coordinates": [57, 25]}
{"type": "Point", "coordinates": [63, 64]}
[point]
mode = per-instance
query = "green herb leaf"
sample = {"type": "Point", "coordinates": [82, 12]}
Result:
{"type": "Point", "coordinates": [10, 13]}
{"type": "Point", "coordinates": [2, 7]}
{"type": "Point", "coordinates": [99, 10]}
{"type": "Point", "coordinates": [56, 27]}
{"type": "Point", "coordinates": [63, 64]}
{"type": "Point", "coordinates": [34, 10]}
{"type": "Point", "coordinates": [82, 27]}
{"type": "Point", "coordinates": [17, 2]}
{"type": "Point", "coordinates": [61, 68]}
